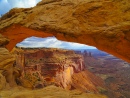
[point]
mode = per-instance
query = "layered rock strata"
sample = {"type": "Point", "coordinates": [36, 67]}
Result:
{"type": "Point", "coordinates": [46, 66]}
{"type": "Point", "coordinates": [51, 66]}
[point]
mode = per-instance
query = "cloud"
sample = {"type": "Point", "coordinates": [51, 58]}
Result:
{"type": "Point", "coordinates": [23, 3]}
{"type": "Point", "coordinates": [51, 42]}
{"type": "Point", "coordinates": [6, 5]}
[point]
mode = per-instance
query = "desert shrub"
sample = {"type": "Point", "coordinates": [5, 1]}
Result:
{"type": "Point", "coordinates": [102, 90]}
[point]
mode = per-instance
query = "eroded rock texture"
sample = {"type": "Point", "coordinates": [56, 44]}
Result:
{"type": "Point", "coordinates": [47, 66]}
{"type": "Point", "coordinates": [6, 65]}
{"type": "Point", "coordinates": [101, 23]}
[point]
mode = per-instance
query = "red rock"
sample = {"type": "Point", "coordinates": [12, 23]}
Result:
{"type": "Point", "coordinates": [19, 33]}
{"type": "Point", "coordinates": [51, 65]}
{"type": "Point", "coordinates": [63, 68]}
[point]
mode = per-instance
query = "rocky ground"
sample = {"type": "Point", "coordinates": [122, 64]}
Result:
{"type": "Point", "coordinates": [47, 92]}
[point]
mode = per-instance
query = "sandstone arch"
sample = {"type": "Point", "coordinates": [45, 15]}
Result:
{"type": "Point", "coordinates": [16, 33]}
{"type": "Point", "coordinates": [104, 24]}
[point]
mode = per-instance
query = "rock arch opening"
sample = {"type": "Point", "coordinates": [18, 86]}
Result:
{"type": "Point", "coordinates": [16, 33]}
{"type": "Point", "coordinates": [112, 70]}
{"type": "Point", "coordinates": [87, 22]}
{"type": "Point", "coordinates": [51, 42]}
{"type": "Point", "coordinates": [53, 62]}
{"type": "Point", "coordinates": [104, 24]}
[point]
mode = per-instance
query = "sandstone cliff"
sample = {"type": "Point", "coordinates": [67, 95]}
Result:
{"type": "Point", "coordinates": [9, 74]}
{"type": "Point", "coordinates": [101, 23]}
{"type": "Point", "coordinates": [63, 68]}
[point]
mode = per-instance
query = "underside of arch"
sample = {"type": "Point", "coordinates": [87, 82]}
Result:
{"type": "Point", "coordinates": [104, 24]}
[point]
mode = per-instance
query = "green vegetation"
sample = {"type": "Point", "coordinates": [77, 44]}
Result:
{"type": "Point", "coordinates": [32, 78]}
{"type": "Point", "coordinates": [102, 90]}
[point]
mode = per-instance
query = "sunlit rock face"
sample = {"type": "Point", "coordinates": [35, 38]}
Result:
{"type": "Point", "coordinates": [101, 23]}
{"type": "Point", "coordinates": [41, 67]}
{"type": "Point", "coordinates": [3, 41]}
{"type": "Point", "coordinates": [7, 79]}
{"type": "Point", "coordinates": [48, 66]}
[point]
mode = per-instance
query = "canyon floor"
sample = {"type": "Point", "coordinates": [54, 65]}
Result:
{"type": "Point", "coordinates": [115, 72]}
{"type": "Point", "coordinates": [52, 73]}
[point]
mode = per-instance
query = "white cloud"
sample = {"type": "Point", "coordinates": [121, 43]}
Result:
{"type": "Point", "coordinates": [23, 3]}
{"type": "Point", "coordinates": [51, 42]}
{"type": "Point", "coordinates": [30, 3]}
{"type": "Point", "coordinates": [6, 5]}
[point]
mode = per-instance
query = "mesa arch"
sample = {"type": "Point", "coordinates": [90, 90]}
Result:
{"type": "Point", "coordinates": [104, 24]}
{"type": "Point", "coordinates": [17, 33]}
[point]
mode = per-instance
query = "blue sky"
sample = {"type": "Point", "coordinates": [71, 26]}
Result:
{"type": "Point", "coordinates": [6, 5]}
{"type": "Point", "coordinates": [51, 42]}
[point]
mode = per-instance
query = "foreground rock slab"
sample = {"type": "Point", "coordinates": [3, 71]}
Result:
{"type": "Point", "coordinates": [48, 92]}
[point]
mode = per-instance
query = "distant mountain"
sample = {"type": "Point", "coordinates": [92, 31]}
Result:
{"type": "Point", "coordinates": [94, 52]}
{"type": "Point", "coordinates": [52, 66]}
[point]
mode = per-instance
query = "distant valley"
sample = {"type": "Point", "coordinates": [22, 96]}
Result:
{"type": "Point", "coordinates": [115, 73]}
{"type": "Point", "coordinates": [42, 67]}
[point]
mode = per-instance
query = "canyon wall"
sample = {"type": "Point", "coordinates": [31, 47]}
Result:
{"type": "Point", "coordinates": [46, 66]}
{"type": "Point", "coordinates": [52, 66]}
{"type": "Point", "coordinates": [42, 67]}
{"type": "Point", "coordinates": [104, 24]}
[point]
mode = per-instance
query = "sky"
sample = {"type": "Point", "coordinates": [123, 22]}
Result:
{"type": "Point", "coordinates": [51, 42]}
{"type": "Point", "coordinates": [6, 5]}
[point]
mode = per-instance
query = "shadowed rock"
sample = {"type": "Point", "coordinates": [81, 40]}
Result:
{"type": "Point", "coordinates": [6, 65]}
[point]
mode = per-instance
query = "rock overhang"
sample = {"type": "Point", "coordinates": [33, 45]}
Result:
{"type": "Point", "coordinates": [103, 24]}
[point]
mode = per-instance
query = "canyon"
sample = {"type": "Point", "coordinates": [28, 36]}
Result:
{"type": "Point", "coordinates": [41, 67]}
{"type": "Point", "coordinates": [104, 24]}
{"type": "Point", "coordinates": [12, 78]}
{"type": "Point", "coordinates": [114, 72]}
